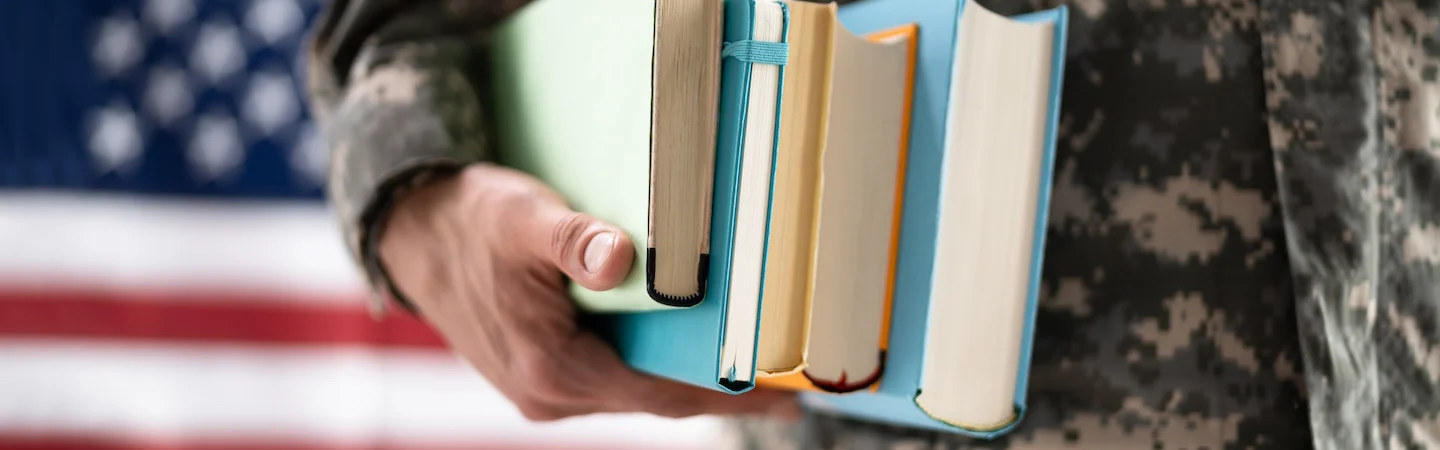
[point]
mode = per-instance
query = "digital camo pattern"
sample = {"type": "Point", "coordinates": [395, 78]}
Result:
{"type": "Point", "coordinates": [1355, 124]}
{"type": "Point", "coordinates": [1244, 248]}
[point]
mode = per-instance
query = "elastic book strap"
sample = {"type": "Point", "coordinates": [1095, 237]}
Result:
{"type": "Point", "coordinates": [759, 52]}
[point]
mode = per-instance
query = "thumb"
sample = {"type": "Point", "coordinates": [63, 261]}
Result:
{"type": "Point", "coordinates": [594, 254]}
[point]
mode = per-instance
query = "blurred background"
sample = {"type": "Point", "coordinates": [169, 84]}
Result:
{"type": "Point", "coordinates": [170, 277]}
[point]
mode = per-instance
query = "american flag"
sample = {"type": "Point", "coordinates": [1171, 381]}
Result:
{"type": "Point", "coordinates": [170, 277]}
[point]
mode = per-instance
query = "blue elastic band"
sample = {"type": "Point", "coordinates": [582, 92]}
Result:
{"type": "Point", "coordinates": [759, 52]}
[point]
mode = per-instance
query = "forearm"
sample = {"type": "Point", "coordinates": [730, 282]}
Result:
{"type": "Point", "coordinates": [398, 87]}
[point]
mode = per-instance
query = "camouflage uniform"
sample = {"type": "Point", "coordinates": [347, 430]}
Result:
{"type": "Point", "coordinates": [1244, 246]}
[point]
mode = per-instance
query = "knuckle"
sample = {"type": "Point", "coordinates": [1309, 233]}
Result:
{"type": "Point", "coordinates": [671, 407]}
{"type": "Point", "coordinates": [565, 237]}
{"type": "Point", "coordinates": [675, 411]}
{"type": "Point", "coordinates": [535, 411]}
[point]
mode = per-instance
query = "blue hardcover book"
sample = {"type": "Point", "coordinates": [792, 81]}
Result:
{"type": "Point", "coordinates": [982, 134]}
{"type": "Point", "coordinates": [712, 345]}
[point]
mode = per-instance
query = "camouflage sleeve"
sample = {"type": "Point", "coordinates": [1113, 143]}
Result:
{"type": "Point", "coordinates": [398, 88]}
{"type": "Point", "coordinates": [1355, 122]}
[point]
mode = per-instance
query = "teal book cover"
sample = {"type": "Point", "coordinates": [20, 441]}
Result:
{"type": "Point", "coordinates": [894, 401]}
{"type": "Point", "coordinates": [684, 344]}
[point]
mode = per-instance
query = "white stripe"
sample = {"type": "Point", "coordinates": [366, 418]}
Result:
{"type": "Point", "coordinates": [342, 396]}
{"type": "Point", "coordinates": [125, 241]}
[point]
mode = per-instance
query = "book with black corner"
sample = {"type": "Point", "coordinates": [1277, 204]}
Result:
{"type": "Point", "coordinates": [890, 271]}
{"type": "Point", "coordinates": [712, 344]}
{"type": "Point", "coordinates": [878, 198]}
{"type": "Point", "coordinates": [613, 105]}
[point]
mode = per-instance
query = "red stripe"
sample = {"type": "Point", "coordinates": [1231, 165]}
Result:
{"type": "Point", "coordinates": [196, 316]}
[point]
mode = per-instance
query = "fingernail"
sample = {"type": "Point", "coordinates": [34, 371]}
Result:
{"type": "Point", "coordinates": [598, 251]}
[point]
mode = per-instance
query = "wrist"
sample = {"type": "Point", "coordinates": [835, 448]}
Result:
{"type": "Point", "coordinates": [411, 239]}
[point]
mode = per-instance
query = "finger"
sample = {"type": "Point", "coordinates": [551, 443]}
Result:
{"type": "Point", "coordinates": [542, 410]}
{"type": "Point", "coordinates": [594, 254]}
{"type": "Point", "coordinates": [674, 399]}
{"type": "Point", "coordinates": [618, 388]}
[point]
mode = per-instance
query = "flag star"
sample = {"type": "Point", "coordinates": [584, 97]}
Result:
{"type": "Point", "coordinates": [309, 156]}
{"type": "Point", "coordinates": [218, 53]}
{"type": "Point", "coordinates": [118, 45]}
{"type": "Point", "coordinates": [215, 149]}
{"type": "Point", "coordinates": [270, 102]}
{"type": "Point", "coordinates": [168, 96]}
{"type": "Point", "coordinates": [274, 20]}
{"type": "Point", "coordinates": [115, 142]}
{"type": "Point", "coordinates": [166, 15]}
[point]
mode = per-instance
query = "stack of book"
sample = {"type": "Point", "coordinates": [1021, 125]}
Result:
{"type": "Point", "coordinates": [848, 201]}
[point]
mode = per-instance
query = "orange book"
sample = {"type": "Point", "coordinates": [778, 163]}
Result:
{"type": "Point", "coordinates": [833, 237]}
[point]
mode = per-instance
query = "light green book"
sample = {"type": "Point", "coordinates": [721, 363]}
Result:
{"type": "Point", "coordinates": [613, 104]}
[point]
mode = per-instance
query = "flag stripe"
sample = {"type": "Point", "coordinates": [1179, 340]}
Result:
{"type": "Point", "coordinates": [336, 397]}
{"type": "Point", "coordinates": [223, 316]}
{"type": "Point", "coordinates": [21, 442]}
{"type": "Point", "coordinates": [121, 241]}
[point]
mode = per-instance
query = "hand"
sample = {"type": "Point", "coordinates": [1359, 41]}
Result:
{"type": "Point", "coordinates": [484, 256]}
